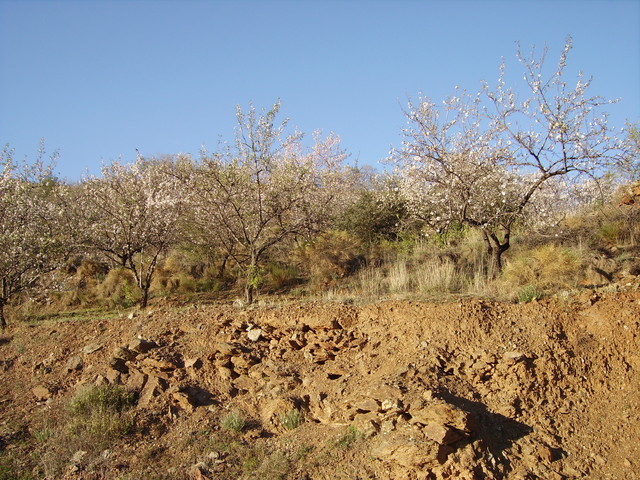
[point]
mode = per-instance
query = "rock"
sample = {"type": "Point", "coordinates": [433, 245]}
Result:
{"type": "Point", "coordinates": [445, 415]}
{"type": "Point", "coordinates": [367, 423]}
{"type": "Point", "coordinates": [141, 345]}
{"type": "Point", "coordinates": [92, 347]}
{"type": "Point", "coordinates": [136, 380]}
{"type": "Point", "coordinates": [124, 353]}
{"type": "Point", "coordinates": [78, 456]}
{"type": "Point", "coordinates": [367, 405]}
{"type": "Point", "coordinates": [41, 393]}
{"type": "Point", "coordinates": [74, 364]}
{"type": "Point", "coordinates": [164, 364]}
{"type": "Point", "coordinates": [193, 363]}
{"type": "Point", "coordinates": [113, 376]}
{"type": "Point", "coordinates": [199, 471]}
{"type": "Point", "coordinates": [225, 373]}
{"type": "Point", "coordinates": [406, 451]}
{"type": "Point", "coordinates": [227, 349]}
{"type": "Point", "coordinates": [512, 357]}
{"type": "Point", "coordinates": [153, 387]}
{"type": "Point", "coordinates": [118, 364]}
{"type": "Point", "coordinates": [183, 401]}
{"type": "Point", "coordinates": [254, 334]}
{"type": "Point", "coordinates": [442, 434]}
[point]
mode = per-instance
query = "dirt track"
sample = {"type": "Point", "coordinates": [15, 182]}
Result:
{"type": "Point", "coordinates": [466, 390]}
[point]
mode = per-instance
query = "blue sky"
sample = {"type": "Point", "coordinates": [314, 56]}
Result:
{"type": "Point", "coordinates": [98, 79]}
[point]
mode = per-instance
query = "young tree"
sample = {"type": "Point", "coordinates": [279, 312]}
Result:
{"type": "Point", "coordinates": [130, 215]}
{"type": "Point", "coordinates": [31, 242]}
{"type": "Point", "coordinates": [263, 189]}
{"type": "Point", "coordinates": [484, 160]}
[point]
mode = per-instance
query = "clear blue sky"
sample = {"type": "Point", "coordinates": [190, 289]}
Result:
{"type": "Point", "coordinates": [99, 79]}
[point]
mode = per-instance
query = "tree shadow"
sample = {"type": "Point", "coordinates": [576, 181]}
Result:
{"type": "Point", "coordinates": [496, 431]}
{"type": "Point", "coordinates": [4, 339]}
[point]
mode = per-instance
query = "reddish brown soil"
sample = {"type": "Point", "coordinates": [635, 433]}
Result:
{"type": "Point", "coordinates": [467, 390]}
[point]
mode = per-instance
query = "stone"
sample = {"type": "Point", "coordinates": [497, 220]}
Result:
{"type": "Point", "coordinates": [401, 448]}
{"type": "Point", "coordinates": [193, 363]}
{"type": "Point", "coordinates": [113, 376]}
{"type": "Point", "coordinates": [92, 347]}
{"type": "Point", "coordinates": [119, 364]}
{"type": "Point", "coordinates": [254, 334]}
{"type": "Point", "coordinates": [78, 456]}
{"type": "Point", "coordinates": [512, 357]}
{"type": "Point", "coordinates": [136, 380]}
{"type": "Point", "coordinates": [141, 345]}
{"type": "Point", "coordinates": [367, 405]}
{"type": "Point", "coordinates": [74, 364]}
{"type": "Point", "coordinates": [442, 434]}
{"type": "Point", "coordinates": [41, 393]}
{"type": "Point", "coordinates": [225, 373]}
{"type": "Point", "coordinates": [124, 353]}
{"type": "Point", "coordinates": [443, 414]}
{"type": "Point", "coordinates": [227, 349]}
{"type": "Point", "coordinates": [155, 364]}
{"type": "Point", "coordinates": [153, 387]}
{"type": "Point", "coordinates": [183, 401]}
{"type": "Point", "coordinates": [199, 471]}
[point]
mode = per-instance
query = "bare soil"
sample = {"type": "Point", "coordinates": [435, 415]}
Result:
{"type": "Point", "coordinates": [392, 390]}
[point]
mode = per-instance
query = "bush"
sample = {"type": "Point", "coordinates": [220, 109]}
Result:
{"type": "Point", "coordinates": [544, 268]}
{"type": "Point", "coordinates": [119, 288]}
{"type": "Point", "coordinates": [291, 420]}
{"type": "Point", "coordinates": [234, 422]}
{"type": "Point", "coordinates": [333, 255]}
{"type": "Point", "coordinates": [529, 293]}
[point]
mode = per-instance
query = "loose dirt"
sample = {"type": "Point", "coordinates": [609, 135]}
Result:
{"type": "Point", "coordinates": [392, 390]}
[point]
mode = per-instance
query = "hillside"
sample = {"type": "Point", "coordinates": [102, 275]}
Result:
{"type": "Point", "coordinates": [390, 390]}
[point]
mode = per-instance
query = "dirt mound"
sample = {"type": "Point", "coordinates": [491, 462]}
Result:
{"type": "Point", "coordinates": [469, 390]}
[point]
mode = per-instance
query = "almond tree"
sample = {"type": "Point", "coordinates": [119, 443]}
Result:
{"type": "Point", "coordinates": [31, 241]}
{"type": "Point", "coordinates": [263, 189]}
{"type": "Point", "coordinates": [484, 160]}
{"type": "Point", "coordinates": [130, 215]}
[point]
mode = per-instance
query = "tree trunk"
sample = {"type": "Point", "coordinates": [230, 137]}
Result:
{"type": "Point", "coordinates": [248, 293]}
{"type": "Point", "coordinates": [145, 296]}
{"type": "Point", "coordinates": [3, 322]}
{"type": "Point", "coordinates": [495, 249]}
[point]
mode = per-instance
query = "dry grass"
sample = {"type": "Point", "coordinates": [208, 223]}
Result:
{"type": "Point", "coordinates": [547, 268]}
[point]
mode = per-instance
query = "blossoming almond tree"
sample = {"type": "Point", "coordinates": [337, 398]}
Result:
{"type": "Point", "coordinates": [263, 189]}
{"type": "Point", "coordinates": [31, 241]}
{"type": "Point", "coordinates": [130, 215]}
{"type": "Point", "coordinates": [485, 160]}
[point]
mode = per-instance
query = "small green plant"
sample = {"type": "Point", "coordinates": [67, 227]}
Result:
{"type": "Point", "coordinates": [291, 420]}
{"type": "Point", "coordinates": [43, 435]}
{"type": "Point", "coordinates": [100, 413]}
{"type": "Point", "coordinates": [529, 293]}
{"type": "Point", "coordinates": [349, 438]}
{"type": "Point", "coordinates": [101, 398]}
{"type": "Point", "coordinates": [234, 422]}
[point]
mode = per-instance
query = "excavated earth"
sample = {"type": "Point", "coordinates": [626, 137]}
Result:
{"type": "Point", "coordinates": [391, 390]}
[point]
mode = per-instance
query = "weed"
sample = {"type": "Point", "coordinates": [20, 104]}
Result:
{"type": "Point", "coordinates": [349, 438]}
{"type": "Point", "coordinates": [529, 293]}
{"type": "Point", "coordinates": [234, 422]}
{"type": "Point", "coordinates": [291, 420]}
{"type": "Point", "coordinates": [100, 398]}
{"type": "Point", "coordinates": [43, 435]}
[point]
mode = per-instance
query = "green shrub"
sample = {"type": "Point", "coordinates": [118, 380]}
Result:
{"type": "Point", "coordinates": [349, 438]}
{"type": "Point", "coordinates": [100, 413]}
{"type": "Point", "coordinates": [291, 420]}
{"type": "Point", "coordinates": [234, 421]}
{"type": "Point", "coordinates": [529, 293]}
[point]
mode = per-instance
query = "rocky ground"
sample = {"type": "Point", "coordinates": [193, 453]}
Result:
{"type": "Point", "coordinates": [392, 390]}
